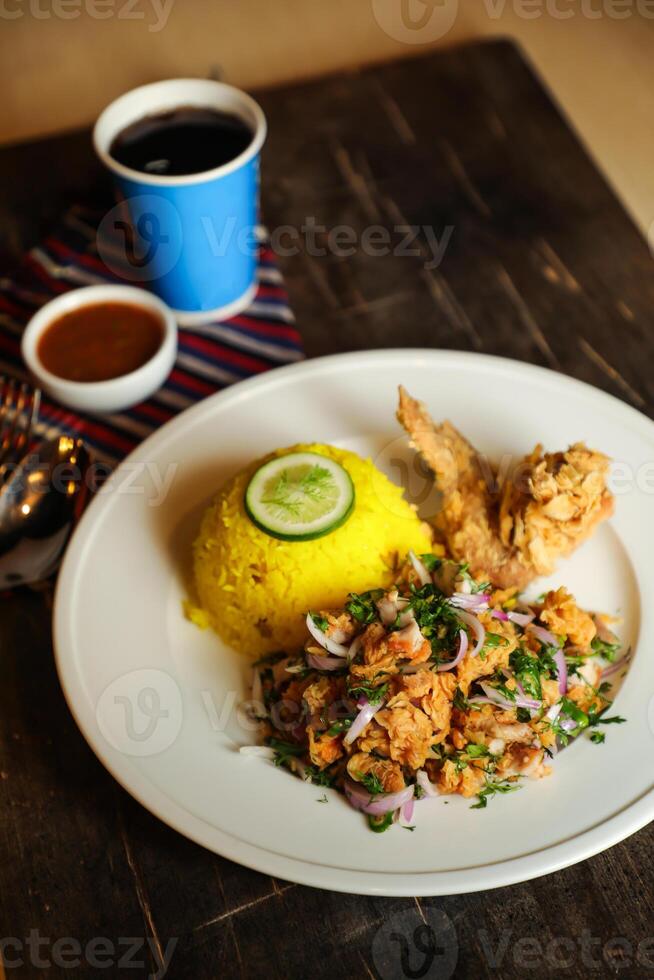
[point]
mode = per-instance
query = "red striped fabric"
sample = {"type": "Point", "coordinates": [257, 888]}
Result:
{"type": "Point", "coordinates": [262, 337]}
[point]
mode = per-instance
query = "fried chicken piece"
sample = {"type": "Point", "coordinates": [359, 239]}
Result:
{"type": "Point", "coordinates": [409, 730]}
{"type": "Point", "coordinates": [388, 773]}
{"type": "Point", "coordinates": [545, 508]}
{"type": "Point", "coordinates": [563, 616]}
{"type": "Point", "coordinates": [324, 749]}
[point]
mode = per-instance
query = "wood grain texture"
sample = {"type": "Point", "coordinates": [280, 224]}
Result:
{"type": "Point", "coordinates": [542, 264]}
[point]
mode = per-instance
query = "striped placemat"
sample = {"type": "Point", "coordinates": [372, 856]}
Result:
{"type": "Point", "coordinates": [210, 356]}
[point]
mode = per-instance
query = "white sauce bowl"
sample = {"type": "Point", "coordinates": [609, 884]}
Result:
{"type": "Point", "coordinates": [116, 394]}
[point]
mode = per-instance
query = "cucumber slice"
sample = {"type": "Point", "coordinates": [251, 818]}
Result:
{"type": "Point", "coordinates": [299, 497]}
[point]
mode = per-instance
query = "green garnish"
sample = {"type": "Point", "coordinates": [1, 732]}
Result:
{"type": "Point", "coordinates": [603, 649]}
{"type": "Point", "coordinates": [459, 700]}
{"type": "Point", "coordinates": [367, 689]}
{"type": "Point", "coordinates": [362, 606]}
{"type": "Point", "coordinates": [337, 727]}
{"type": "Point", "coordinates": [285, 751]}
{"type": "Point", "coordinates": [527, 671]}
{"type": "Point", "coordinates": [321, 621]}
{"type": "Point", "coordinates": [300, 496]}
{"type": "Point", "coordinates": [322, 799]}
{"type": "Point", "coordinates": [380, 824]}
{"type": "Point", "coordinates": [495, 640]}
{"type": "Point", "coordinates": [491, 788]}
{"type": "Point", "coordinates": [371, 782]}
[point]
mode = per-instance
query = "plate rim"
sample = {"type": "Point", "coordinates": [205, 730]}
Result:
{"type": "Point", "coordinates": [523, 868]}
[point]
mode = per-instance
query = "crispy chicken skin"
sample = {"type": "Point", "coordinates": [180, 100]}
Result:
{"type": "Point", "coordinates": [544, 509]}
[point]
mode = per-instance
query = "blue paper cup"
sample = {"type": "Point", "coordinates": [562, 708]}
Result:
{"type": "Point", "coordinates": [191, 239]}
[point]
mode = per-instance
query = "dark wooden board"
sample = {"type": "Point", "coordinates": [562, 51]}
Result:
{"type": "Point", "coordinates": [542, 264]}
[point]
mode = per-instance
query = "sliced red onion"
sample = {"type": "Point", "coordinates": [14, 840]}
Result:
{"type": "Point", "coordinates": [366, 712]}
{"type": "Point", "coordinates": [521, 619]}
{"type": "Point", "coordinates": [617, 665]}
{"type": "Point", "coordinates": [553, 713]}
{"type": "Point", "coordinates": [387, 608]}
{"type": "Point", "coordinates": [544, 635]}
{"type": "Point", "coordinates": [258, 751]}
{"type": "Point", "coordinates": [561, 670]}
{"type": "Point", "coordinates": [500, 614]}
{"type": "Point", "coordinates": [420, 569]}
{"type": "Point", "coordinates": [328, 644]}
{"type": "Point", "coordinates": [414, 668]}
{"type": "Point", "coordinates": [605, 634]}
{"type": "Point", "coordinates": [376, 806]}
{"type": "Point", "coordinates": [521, 700]}
{"type": "Point", "coordinates": [406, 812]}
{"type": "Point", "coordinates": [463, 648]}
{"type": "Point", "coordinates": [324, 663]}
{"type": "Point", "coordinates": [425, 783]}
{"type": "Point", "coordinates": [476, 627]}
{"type": "Point", "coordinates": [476, 602]}
{"type": "Point", "coordinates": [354, 647]}
{"type": "Point", "coordinates": [482, 699]}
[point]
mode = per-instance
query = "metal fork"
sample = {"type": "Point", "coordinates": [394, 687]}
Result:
{"type": "Point", "coordinates": [19, 410]}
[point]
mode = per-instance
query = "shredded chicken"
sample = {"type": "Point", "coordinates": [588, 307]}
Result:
{"type": "Point", "coordinates": [547, 505]}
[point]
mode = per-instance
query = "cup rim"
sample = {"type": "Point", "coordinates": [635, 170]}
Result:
{"type": "Point", "coordinates": [156, 180]}
{"type": "Point", "coordinates": [90, 296]}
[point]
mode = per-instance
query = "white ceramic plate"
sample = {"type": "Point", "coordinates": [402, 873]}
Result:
{"type": "Point", "coordinates": [155, 697]}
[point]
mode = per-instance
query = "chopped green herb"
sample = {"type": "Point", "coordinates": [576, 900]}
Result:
{"type": "Point", "coordinates": [597, 737]}
{"type": "Point", "coordinates": [495, 640]}
{"type": "Point", "coordinates": [527, 671]}
{"type": "Point", "coordinates": [460, 701]}
{"type": "Point", "coordinates": [321, 621]}
{"type": "Point", "coordinates": [491, 788]}
{"type": "Point", "coordinates": [322, 799]}
{"type": "Point", "coordinates": [603, 649]}
{"type": "Point", "coordinates": [362, 606]}
{"type": "Point", "coordinates": [319, 777]}
{"type": "Point", "coordinates": [371, 782]}
{"type": "Point", "coordinates": [368, 690]}
{"type": "Point", "coordinates": [431, 562]}
{"type": "Point", "coordinates": [337, 727]}
{"type": "Point", "coordinates": [285, 751]}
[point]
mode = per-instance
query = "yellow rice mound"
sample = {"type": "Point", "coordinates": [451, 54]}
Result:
{"type": "Point", "coordinates": [255, 590]}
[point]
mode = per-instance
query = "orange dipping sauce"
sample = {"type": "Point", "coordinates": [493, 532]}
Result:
{"type": "Point", "coordinates": [100, 342]}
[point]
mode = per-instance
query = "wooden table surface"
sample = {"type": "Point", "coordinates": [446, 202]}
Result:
{"type": "Point", "coordinates": [541, 264]}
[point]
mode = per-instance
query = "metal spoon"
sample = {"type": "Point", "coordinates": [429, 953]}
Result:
{"type": "Point", "coordinates": [39, 506]}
